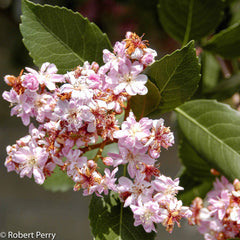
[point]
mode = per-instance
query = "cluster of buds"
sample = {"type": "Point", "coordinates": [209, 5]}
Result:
{"type": "Point", "coordinates": [220, 219]}
{"type": "Point", "coordinates": [80, 111]}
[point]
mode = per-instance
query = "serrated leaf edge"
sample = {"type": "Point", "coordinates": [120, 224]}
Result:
{"type": "Point", "coordinates": [44, 26]}
{"type": "Point", "coordinates": [221, 33]}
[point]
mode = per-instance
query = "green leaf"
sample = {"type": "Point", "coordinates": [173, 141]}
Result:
{"type": "Point", "coordinates": [110, 221]}
{"type": "Point", "coordinates": [193, 188]}
{"type": "Point", "coordinates": [60, 36]}
{"type": "Point", "coordinates": [58, 181]}
{"type": "Point", "coordinates": [210, 71]}
{"type": "Point", "coordinates": [213, 129]}
{"type": "Point", "coordinates": [196, 177]}
{"type": "Point", "coordinates": [233, 239]}
{"type": "Point", "coordinates": [144, 105]}
{"type": "Point", "coordinates": [225, 89]}
{"type": "Point", "coordinates": [113, 148]}
{"type": "Point", "coordinates": [195, 165]}
{"type": "Point", "coordinates": [176, 76]}
{"type": "Point", "coordinates": [235, 12]}
{"type": "Point", "coordinates": [189, 19]}
{"type": "Point", "coordinates": [226, 43]}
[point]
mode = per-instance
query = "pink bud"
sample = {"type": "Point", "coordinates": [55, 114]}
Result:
{"type": "Point", "coordinates": [108, 161]}
{"type": "Point", "coordinates": [91, 164]}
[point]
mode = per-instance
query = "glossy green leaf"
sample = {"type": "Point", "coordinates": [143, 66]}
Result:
{"type": "Point", "coordinates": [193, 188]}
{"type": "Point", "coordinates": [196, 177]}
{"type": "Point", "coordinates": [226, 43]}
{"type": "Point", "coordinates": [189, 19]}
{"type": "Point", "coordinates": [213, 129]}
{"type": "Point", "coordinates": [60, 36]}
{"type": "Point", "coordinates": [58, 181]}
{"type": "Point", "coordinates": [142, 105]}
{"type": "Point", "coordinates": [176, 76]}
{"type": "Point", "coordinates": [110, 221]}
{"type": "Point", "coordinates": [197, 167]}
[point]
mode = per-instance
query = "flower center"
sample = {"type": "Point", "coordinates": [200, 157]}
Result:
{"type": "Point", "coordinates": [32, 162]}
{"type": "Point", "coordinates": [135, 129]}
{"type": "Point", "coordinates": [146, 218]}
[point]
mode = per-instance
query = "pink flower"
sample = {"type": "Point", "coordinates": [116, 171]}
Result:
{"type": "Point", "coordinates": [74, 164]}
{"type": "Point", "coordinates": [31, 160]}
{"type": "Point", "coordinates": [132, 132]}
{"type": "Point", "coordinates": [175, 213]}
{"type": "Point", "coordinates": [148, 213]}
{"type": "Point", "coordinates": [47, 75]}
{"type": "Point", "coordinates": [108, 161]}
{"type": "Point", "coordinates": [23, 104]}
{"type": "Point", "coordinates": [113, 60]}
{"type": "Point", "coordinates": [210, 227]}
{"type": "Point", "coordinates": [221, 218]}
{"type": "Point", "coordinates": [131, 192]}
{"type": "Point", "coordinates": [9, 164]}
{"type": "Point", "coordinates": [219, 185]}
{"type": "Point", "coordinates": [90, 181]}
{"type": "Point", "coordinates": [220, 205]}
{"type": "Point", "coordinates": [30, 81]}
{"type": "Point", "coordinates": [149, 56]}
{"type": "Point", "coordinates": [44, 105]}
{"type": "Point", "coordinates": [108, 181]}
{"type": "Point", "coordinates": [160, 137]}
{"type": "Point", "coordinates": [129, 79]}
{"type": "Point", "coordinates": [78, 87]}
{"type": "Point", "coordinates": [74, 113]}
{"type": "Point", "coordinates": [166, 187]}
{"type": "Point", "coordinates": [136, 49]}
{"type": "Point", "coordinates": [235, 214]}
{"type": "Point", "coordinates": [134, 157]}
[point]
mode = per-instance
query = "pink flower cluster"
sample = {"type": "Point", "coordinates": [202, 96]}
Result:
{"type": "Point", "coordinates": [78, 112]}
{"type": "Point", "coordinates": [220, 219]}
{"type": "Point", "coordinates": [150, 195]}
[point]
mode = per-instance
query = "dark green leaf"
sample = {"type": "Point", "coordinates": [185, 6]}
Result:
{"type": "Point", "coordinates": [110, 221]}
{"type": "Point", "coordinates": [226, 43]}
{"type": "Point", "coordinates": [235, 11]}
{"type": "Point", "coordinates": [192, 188]}
{"type": "Point", "coordinates": [58, 181]}
{"type": "Point", "coordinates": [210, 71]}
{"type": "Point", "coordinates": [60, 36]}
{"type": "Point", "coordinates": [144, 105]}
{"type": "Point", "coordinates": [225, 89]}
{"type": "Point", "coordinates": [195, 165]}
{"type": "Point", "coordinates": [213, 129]}
{"type": "Point", "coordinates": [233, 239]}
{"type": "Point", "coordinates": [176, 76]}
{"type": "Point", "coordinates": [189, 19]}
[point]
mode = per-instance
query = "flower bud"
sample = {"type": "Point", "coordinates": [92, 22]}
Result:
{"type": "Point", "coordinates": [108, 161]}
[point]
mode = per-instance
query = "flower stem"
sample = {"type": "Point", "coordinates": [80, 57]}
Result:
{"type": "Point", "coordinates": [189, 23]}
{"type": "Point", "coordinates": [98, 145]}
